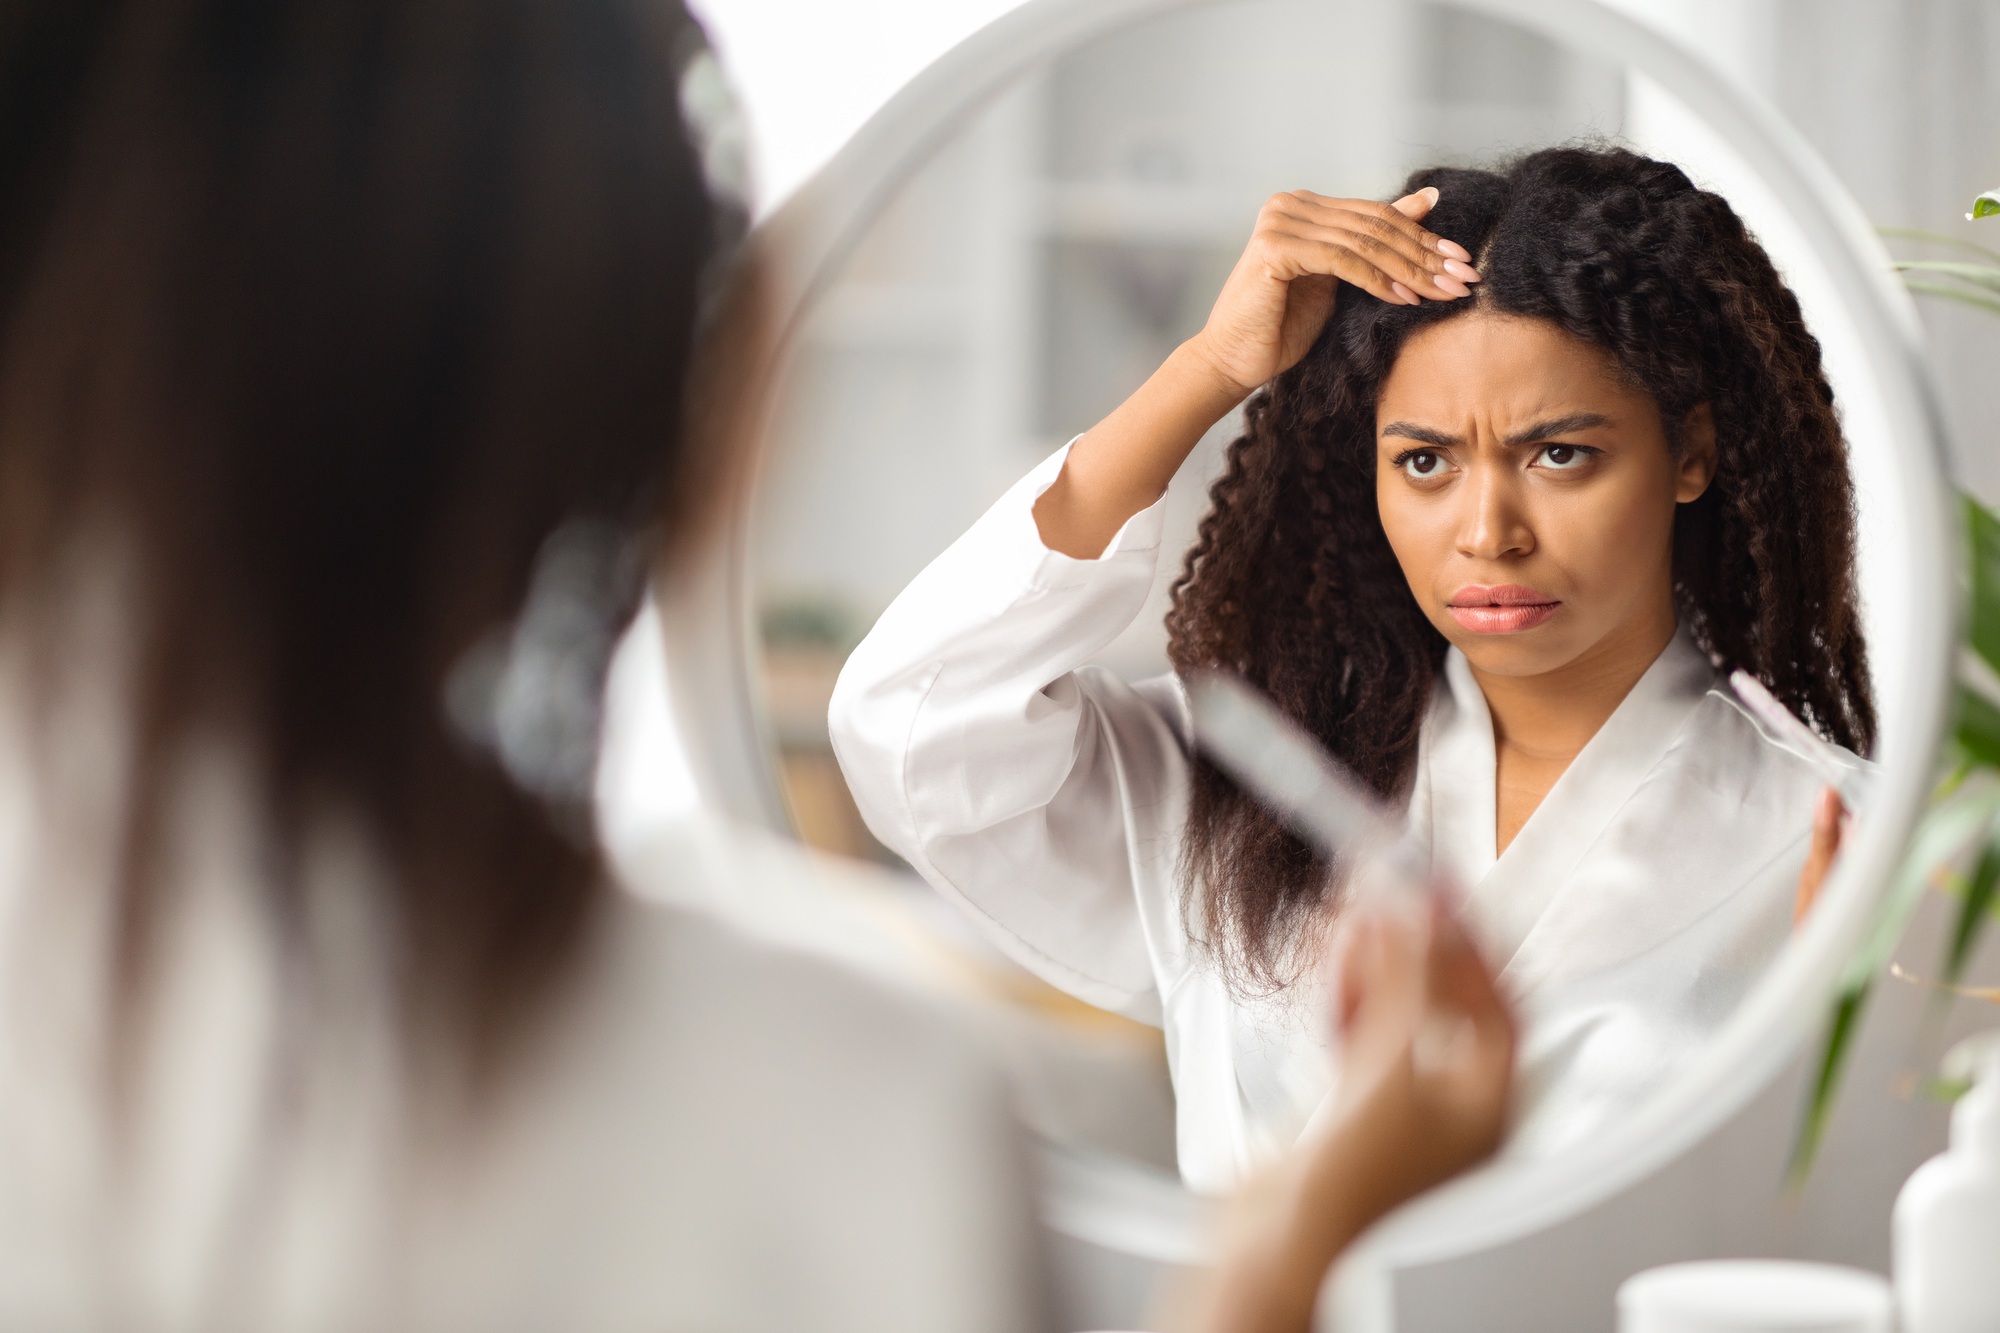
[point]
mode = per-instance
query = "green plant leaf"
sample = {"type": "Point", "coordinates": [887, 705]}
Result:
{"type": "Point", "coordinates": [1984, 276]}
{"type": "Point", "coordinates": [1847, 1010]}
{"type": "Point", "coordinates": [1986, 205]}
{"type": "Point", "coordinates": [1982, 531]}
{"type": "Point", "coordinates": [1977, 732]}
{"type": "Point", "coordinates": [1972, 909]}
{"type": "Point", "coordinates": [1986, 303]}
{"type": "Point", "coordinates": [1942, 836]}
{"type": "Point", "coordinates": [1937, 238]}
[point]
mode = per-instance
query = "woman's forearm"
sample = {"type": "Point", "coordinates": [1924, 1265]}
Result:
{"type": "Point", "coordinates": [1271, 308]}
{"type": "Point", "coordinates": [1124, 462]}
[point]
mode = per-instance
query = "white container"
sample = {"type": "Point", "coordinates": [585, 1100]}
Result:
{"type": "Point", "coordinates": [1947, 1220]}
{"type": "Point", "coordinates": [1754, 1296]}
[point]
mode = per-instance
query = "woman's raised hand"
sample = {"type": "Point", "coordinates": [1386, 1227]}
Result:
{"type": "Point", "coordinates": [1276, 301]}
{"type": "Point", "coordinates": [1281, 292]}
{"type": "Point", "coordinates": [1427, 1054]}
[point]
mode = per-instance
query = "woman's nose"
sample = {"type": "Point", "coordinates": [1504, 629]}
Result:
{"type": "Point", "coordinates": [1492, 525]}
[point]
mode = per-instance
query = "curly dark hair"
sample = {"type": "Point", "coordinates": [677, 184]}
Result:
{"type": "Point", "coordinates": [1292, 582]}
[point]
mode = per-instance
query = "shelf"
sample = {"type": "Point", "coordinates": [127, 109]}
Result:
{"type": "Point", "coordinates": [889, 316]}
{"type": "Point", "coordinates": [1136, 211]}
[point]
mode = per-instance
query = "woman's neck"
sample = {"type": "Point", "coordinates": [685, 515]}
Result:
{"type": "Point", "coordinates": [1541, 723]}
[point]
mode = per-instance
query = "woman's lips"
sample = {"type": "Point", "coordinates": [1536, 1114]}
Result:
{"type": "Point", "coordinates": [1507, 609]}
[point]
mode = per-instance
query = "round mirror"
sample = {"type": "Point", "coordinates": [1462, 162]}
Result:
{"type": "Point", "coordinates": [1018, 240]}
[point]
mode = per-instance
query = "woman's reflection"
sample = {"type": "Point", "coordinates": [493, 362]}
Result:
{"type": "Point", "coordinates": [1529, 455]}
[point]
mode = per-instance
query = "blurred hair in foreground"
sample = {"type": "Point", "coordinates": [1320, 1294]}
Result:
{"type": "Point", "coordinates": [320, 320]}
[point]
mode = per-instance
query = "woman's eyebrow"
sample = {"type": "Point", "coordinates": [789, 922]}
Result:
{"type": "Point", "coordinates": [1437, 439]}
{"type": "Point", "coordinates": [1542, 430]}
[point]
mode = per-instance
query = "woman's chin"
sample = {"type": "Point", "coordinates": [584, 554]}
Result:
{"type": "Point", "coordinates": [1532, 651]}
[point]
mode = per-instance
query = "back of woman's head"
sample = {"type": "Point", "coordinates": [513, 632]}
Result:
{"type": "Point", "coordinates": [320, 319]}
{"type": "Point", "coordinates": [1293, 582]}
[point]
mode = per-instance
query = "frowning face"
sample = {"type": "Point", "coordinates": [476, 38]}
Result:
{"type": "Point", "coordinates": [1528, 491]}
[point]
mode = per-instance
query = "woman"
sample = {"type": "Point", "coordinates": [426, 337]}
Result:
{"type": "Point", "coordinates": [342, 353]}
{"type": "Point", "coordinates": [1528, 457]}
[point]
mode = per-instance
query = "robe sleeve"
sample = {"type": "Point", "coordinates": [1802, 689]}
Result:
{"type": "Point", "coordinates": [1045, 797]}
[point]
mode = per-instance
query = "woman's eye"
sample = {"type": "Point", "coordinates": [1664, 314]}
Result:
{"type": "Point", "coordinates": [1422, 463]}
{"type": "Point", "coordinates": [1563, 457]}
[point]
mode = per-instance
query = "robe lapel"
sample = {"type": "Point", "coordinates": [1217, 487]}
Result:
{"type": "Point", "coordinates": [1516, 895]}
{"type": "Point", "coordinates": [1452, 810]}
{"type": "Point", "coordinates": [1452, 801]}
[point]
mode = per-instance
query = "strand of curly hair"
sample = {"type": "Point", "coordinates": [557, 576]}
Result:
{"type": "Point", "coordinates": [1291, 581]}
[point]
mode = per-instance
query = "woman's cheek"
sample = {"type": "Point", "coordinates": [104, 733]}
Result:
{"type": "Point", "coordinates": [1607, 535]}
{"type": "Point", "coordinates": [1421, 538]}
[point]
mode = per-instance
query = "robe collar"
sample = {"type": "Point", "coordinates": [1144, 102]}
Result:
{"type": "Point", "coordinates": [1453, 796]}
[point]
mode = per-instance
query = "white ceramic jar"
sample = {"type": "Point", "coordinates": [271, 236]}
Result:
{"type": "Point", "coordinates": [1947, 1220]}
{"type": "Point", "coordinates": [1754, 1296]}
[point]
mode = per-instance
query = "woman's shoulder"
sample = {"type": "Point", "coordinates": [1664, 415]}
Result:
{"type": "Point", "coordinates": [776, 1025]}
{"type": "Point", "coordinates": [1747, 761]}
{"type": "Point", "coordinates": [707, 872]}
{"type": "Point", "coordinates": [716, 917]}
{"type": "Point", "coordinates": [762, 1111]}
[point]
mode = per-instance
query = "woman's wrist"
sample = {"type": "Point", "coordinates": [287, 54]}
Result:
{"type": "Point", "coordinates": [1283, 1234]}
{"type": "Point", "coordinates": [1124, 462]}
{"type": "Point", "coordinates": [1206, 379]}
{"type": "Point", "coordinates": [1330, 1196]}
{"type": "Point", "coordinates": [1176, 406]}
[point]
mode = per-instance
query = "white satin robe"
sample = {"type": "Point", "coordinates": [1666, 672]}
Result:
{"type": "Point", "coordinates": [1048, 799]}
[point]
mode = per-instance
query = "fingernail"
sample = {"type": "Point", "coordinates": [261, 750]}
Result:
{"type": "Point", "coordinates": [1453, 250]}
{"type": "Point", "coordinates": [1452, 285]}
{"type": "Point", "coordinates": [1430, 192]}
{"type": "Point", "coordinates": [1463, 272]}
{"type": "Point", "coordinates": [1408, 297]}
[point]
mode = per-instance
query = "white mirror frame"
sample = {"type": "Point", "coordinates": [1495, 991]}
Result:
{"type": "Point", "coordinates": [708, 618]}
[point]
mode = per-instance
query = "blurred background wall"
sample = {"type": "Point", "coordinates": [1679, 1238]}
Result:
{"type": "Point", "coordinates": [1902, 99]}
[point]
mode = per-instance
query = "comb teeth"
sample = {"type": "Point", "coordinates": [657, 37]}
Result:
{"type": "Point", "coordinates": [1291, 773]}
{"type": "Point", "coordinates": [1271, 757]}
{"type": "Point", "coordinates": [1764, 706]}
{"type": "Point", "coordinates": [1832, 766]}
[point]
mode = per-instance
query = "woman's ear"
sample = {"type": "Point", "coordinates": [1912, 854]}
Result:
{"type": "Point", "coordinates": [1697, 460]}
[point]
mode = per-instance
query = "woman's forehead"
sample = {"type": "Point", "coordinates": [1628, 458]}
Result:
{"type": "Point", "coordinates": [1503, 370]}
